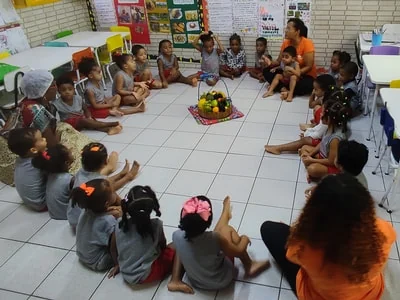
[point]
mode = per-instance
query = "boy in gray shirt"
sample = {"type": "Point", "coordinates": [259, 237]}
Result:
{"type": "Point", "coordinates": [29, 181]}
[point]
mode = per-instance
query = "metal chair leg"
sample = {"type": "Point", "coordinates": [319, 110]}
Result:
{"type": "Point", "coordinates": [380, 160]}
{"type": "Point", "coordinates": [388, 166]}
{"type": "Point", "coordinates": [380, 143]}
{"type": "Point", "coordinates": [109, 73]}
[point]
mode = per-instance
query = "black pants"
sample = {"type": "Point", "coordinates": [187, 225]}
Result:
{"type": "Point", "coordinates": [275, 236]}
{"type": "Point", "coordinates": [303, 87]}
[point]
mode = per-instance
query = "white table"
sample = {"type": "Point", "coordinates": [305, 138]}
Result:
{"type": "Point", "coordinates": [382, 70]}
{"type": "Point", "coordinates": [392, 99]}
{"type": "Point", "coordinates": [93, 39]}
{"type": "Point", "coordinates": [365, 44]}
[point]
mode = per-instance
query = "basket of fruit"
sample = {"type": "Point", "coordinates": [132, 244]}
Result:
{"type": "Point", "coordinates": [214, 104]}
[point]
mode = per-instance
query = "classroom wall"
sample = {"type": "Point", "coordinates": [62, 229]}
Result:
{"type": "Point", "coordinates": [41, 23]}
{"type": "Point", "coordinates": [335, 25]}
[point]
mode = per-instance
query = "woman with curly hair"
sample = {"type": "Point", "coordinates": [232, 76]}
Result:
{"type": "Point", "coordinates": [337, 248]}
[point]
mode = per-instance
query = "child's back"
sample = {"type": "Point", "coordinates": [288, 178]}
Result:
{"type": "Point", "coordinates": [205, 264]}
{"type": "Point", "coordinates": [136, 254]}
{"type": "Point", "coordinates": [30, 183]}
{"type": "Point", "coordinates": [58, 190]}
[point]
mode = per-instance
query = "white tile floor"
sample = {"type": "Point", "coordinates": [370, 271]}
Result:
{"type": "Point", "coordinates": [180, 158]}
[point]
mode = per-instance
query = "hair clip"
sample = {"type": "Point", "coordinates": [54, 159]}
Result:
{"type": "Point", "coordinates": [88, 189]}
{"type": "Point", "coordinates": [45, 155]}
{"type": "Point", "coordinates": [196, 206]}
{"type": "Point", "coordinates": [95, 148]}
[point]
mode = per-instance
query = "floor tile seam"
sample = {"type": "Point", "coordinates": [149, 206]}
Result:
{"type": "Point", "coordinates": [11, 212]}
{"type": "Point", "coordinates": [101, 281]}
{"type": "Point", "coordinates": [258, 284]}
{"type": "Point", "coordinates": [19, 247]}
{"type": "Point", "coordinates": [16, 292]}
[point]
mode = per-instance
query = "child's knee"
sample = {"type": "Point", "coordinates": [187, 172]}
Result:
{"type": "Point", "coordinates": [314, 170]}
{"type": "Point", "coordinates": [293, 78]}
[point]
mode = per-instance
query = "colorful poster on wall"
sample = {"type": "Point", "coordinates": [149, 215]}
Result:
{"type": "Point", "coordinates": [132, 13]}
{"type": "Point", "coordinates": [157, 12]}
{"type": "Point", "coordinates": [220, 16]}
{"type": "Point", "coordinates": [271, 19]}
{"type": "Point", "coordinates": [299, 9]}
{"type": "Point", "coordinates": [185, 22]}
{"type": "Point", "coordinates": [245, 16]}
{"type": "Point", "coordinates": [105, 13]}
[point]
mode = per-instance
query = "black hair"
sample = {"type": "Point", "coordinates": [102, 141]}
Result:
{"type": "Point", "coordinates": [338, 110]}
{"type": "Point", "coordinates": [235, 37]}
{"type": "Point", "coordinates": [343, 56]}
{"type": "Point", "coordinates": [193, 224]}
{"type": "Point", "coordinates": [94, 157]}
{"type": "Point", "coordinates": [87, 65]}
{"type": "Point", "coordinates": [262, 40]}
{"type": "Point", "coordinates": [351, 69]}
{"type": "Point", "coordinates": [139, 204]}
{"type": "Point", "coordinates": [207, 37]}
{"type": "Point", "coordinates": [328, 84]}
{"type": "Point", "coordinates": [92, 195]}
{"type": "Point", "coordinates": [161, 43]}
{"type": "Point", "coordinates": [291, 51]}
{"type": "Point", "coordinates": [352, 156]}
{"type": "Point", "coordinates": [121, 59]}
{"type": "Point", "coordinates": [54, 160]}
{"type": "Point", "coordinates": [300, 26]}
{"type": "Point", "coordinates": [21, 140]}
{"type": "Point", "coordinates": [136, 49]}
{"type": "Point", "coordinates": [64, 79]}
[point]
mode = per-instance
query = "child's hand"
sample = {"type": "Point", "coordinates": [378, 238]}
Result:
{"type": "Point", "coordinates": [114, 271]}
{"type": "Point", "coordinates": [301, 135]}
{"type": "Point", "coordinates": [115, 211]}
{"type": "Point", "coordinates": [288, 69]}
{"type": "Point", "coordinates": [307, 160]}
{"type": "Point", "coordinates": [143, 85]}
{"type": "Point", "coordinates": [308, 192]}
{"type": "Point", "coordinates": [266, 60]}
{"type": "Point", "coordinates": [246, 238]}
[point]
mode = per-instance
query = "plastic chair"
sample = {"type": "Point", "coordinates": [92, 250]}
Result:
{"type": "Point", "coordinates": [4, 54]}
{"type": "Point", "coordinates": [114, 44]}
{"type": "Point", "coordinates": [63, 33]}
{"type": "Point", "coordinates": [128, 38]}
{"type": "Point", "coordinates": [369, 86]}
{"type": "Point", "coordinates": [56, 44]}
{"type": "Point", "coordinates": [78, 78]}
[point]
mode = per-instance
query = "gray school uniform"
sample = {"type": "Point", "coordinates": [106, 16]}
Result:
{"type": "Point", "coordinates": [58, 190]}
{"type": "Point", "coordinates": [210, 62]}
{"type": "Point", "coordinates": [127, 85]}
{"type": "Point", "coordinates": [92, 240]}
{"type": "Point", "coordinates": [30, 183]}
{"type": "Point", "coordinates": [81, 176]}
{"type": "Point", "coordinates": [362, 179]}
{"type": "Point", "coordinates": [355, 101]}
{"type": "Point", "coordinates": [167, 64]}
{"type": "Point", "coordinates": [327, 139]}
{"type": "Point", "coordinates": [66, 111]}
{"type": "Point", "coordinates": [140, 68]}
{"type": "Point", "coordinates": [137, 254]}
{"type": "Point", "coordinates": [98, 92]}
{"type": "Point", "coordinates": [205, 264]}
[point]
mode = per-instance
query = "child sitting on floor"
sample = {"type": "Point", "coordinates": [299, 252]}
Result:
{"type": "Point", "coordinates": [96, 225]}
{"type": "Point", "coordinates": [99, 105]}
{"type": "Point", "coordinates": [261, 50]}
{"type": "Point", "coordinates": [320, 160]}
{"type": "Point", "coordinates": [347, 81]}
{"type": "Point", "coordinates": [30, 182]}
{"type": "Point", "coordinates": [56, 162]}
{"type": "Point", "coordinates": [338, 60]}
{"type": "Point", "coordinates": [287, 75]}
{"type": "Point", "coordinates": [142, 252]}
{"type": "Point", "coordinates": [168, 66]}
{"type": "Point", "coordinates": [233, 59]}
{"type": "Point", "coordinates": [132, 93]}
{"type": "Point", "coordinates": [94, 166]}
{"type": "Point", "coordinates": [143, 72]}
{"type": "Point", "coordinates": [209, 57]}
{"type": "Point", "coordinates": [73, 111]}
{"type": "Point", "coordinates": [208, 256]}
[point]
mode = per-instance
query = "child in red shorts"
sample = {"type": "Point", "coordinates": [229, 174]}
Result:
{"type": "Point", "coordinates": [73, 110]}
{"type": "Point", "coordinates": [140, 250]}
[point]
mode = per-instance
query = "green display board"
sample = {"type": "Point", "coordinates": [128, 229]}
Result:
{"type": "Point", "coordinates": [185, 21]}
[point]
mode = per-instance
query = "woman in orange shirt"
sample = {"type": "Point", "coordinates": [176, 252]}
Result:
{"type": "Point", "coordinates": [296, 36]}
{"type": "Point", "coordinates": [337, 248]}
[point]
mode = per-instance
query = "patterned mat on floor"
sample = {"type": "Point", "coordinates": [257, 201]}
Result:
{"type": "Point", "coordinates": [200, 120]}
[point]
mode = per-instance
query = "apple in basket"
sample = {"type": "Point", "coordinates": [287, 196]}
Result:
{"type": "Point", "coordinates": [214, 101]}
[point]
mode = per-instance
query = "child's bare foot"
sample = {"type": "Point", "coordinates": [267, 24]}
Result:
{"type": "Point", "coordinates": [227, 206]}
{"type": "Point", "coordinates": [115, 112]}
{"type": "Point", "coordinates": [142, 107]}
{"type": "Point", "coordinates": [232, 77]}
{"type": "Point", "coordinates": [125, 170]}
{"type": "Point", "coordinates": [194, 82]}
{"type": "Point", "coordinates": [134, 170]}
{"type": "Point", "coordinates": [284, 95]}
{"type": "Point", "coordinates": [272, 149]}
{"type": "Point", "coordinates": [111, 166]}
{"type": "Point", "coordinates": [289, 98]}
{"type": "Point", "coordinates": [304, 126]}
{"type": "Point", "coordinates": [114, 130]}
{"type": "Point", "coordinates": [268, 94]}
{"type": "Point", "coordinates": [257, 267]}
{"type": "Point", "coordinates": [180, 286]}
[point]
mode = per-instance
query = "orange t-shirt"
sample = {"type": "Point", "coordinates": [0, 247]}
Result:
{"type": "Point", "coordinates": [315, 281]}
{"type": "Point", "coordinates": [305, 46]}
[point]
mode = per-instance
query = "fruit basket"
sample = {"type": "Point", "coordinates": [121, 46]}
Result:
{"type": "Point", "coordinates": [214, 104]}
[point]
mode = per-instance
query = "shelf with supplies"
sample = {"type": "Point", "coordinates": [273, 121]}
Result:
{"type": "Point", "coordinates": [29, 3]}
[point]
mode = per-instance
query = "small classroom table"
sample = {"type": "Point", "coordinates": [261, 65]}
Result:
{"type": "Point", "coordinates": [365, 44]}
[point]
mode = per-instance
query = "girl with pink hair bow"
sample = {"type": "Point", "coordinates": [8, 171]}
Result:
{"type": "Point", "coordinates": [208, 256]}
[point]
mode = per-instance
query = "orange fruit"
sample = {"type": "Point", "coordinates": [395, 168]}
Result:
{"type": "Point", "coordinates": [215, 109]}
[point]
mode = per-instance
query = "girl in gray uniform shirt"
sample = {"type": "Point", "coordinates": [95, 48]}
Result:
{"type": "Point", "coordinates": [96, 224]}
{"type": "Point", "coordinates": [207, 256]}
{"type": "Point", "coordinates": [56, 162]}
